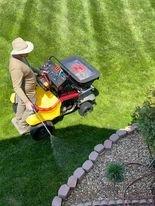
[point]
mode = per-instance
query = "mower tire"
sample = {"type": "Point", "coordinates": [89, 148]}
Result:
{"type": "Point", "coordinates": [38, 132]}
{"type": "Point", "coordinates": [85, 108]}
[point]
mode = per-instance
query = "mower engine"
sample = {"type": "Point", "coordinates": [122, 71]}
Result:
{"type": "Point", "coordinates": [71, 81]}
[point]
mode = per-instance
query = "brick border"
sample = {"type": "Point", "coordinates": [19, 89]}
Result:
{"type": "Point", "coordinates": [65, 189]}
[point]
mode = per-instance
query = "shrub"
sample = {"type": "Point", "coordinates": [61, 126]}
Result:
{"type": "Point", "coordinates": [145, 117]}
{"type": "Point", "coordinates": [115, 172]}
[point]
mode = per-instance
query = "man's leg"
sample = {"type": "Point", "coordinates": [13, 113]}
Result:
{"type": "Point", "coordinates": [20, 109]}
{"type": "Point", "coordinates": [21, 115]}
{"type": "Point", "coordinates": [23, 124]}
{"type": "Point", "coordinates": [17, 120]}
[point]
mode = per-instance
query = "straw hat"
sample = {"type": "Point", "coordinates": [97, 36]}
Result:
{"type": "Point", "coordinates": [21, 47]}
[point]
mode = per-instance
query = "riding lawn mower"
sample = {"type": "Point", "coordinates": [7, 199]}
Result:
{"type": "Point", "coordinates": [62, 87]}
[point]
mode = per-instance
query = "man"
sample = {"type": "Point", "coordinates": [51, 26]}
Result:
{"type": "Point", "coordinates": [24, 82]}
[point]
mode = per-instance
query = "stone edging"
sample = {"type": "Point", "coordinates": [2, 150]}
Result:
{"type": "Point", "coordinates": [119, 202]}
{"type": "Point", "coordinates": [65, 189]}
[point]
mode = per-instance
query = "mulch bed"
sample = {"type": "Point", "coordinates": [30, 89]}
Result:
{"type": "Point", "coordinates": [95, 186]}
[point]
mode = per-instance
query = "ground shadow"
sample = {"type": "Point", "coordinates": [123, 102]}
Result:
{"type": "Point", "coordinates": [38, 168]}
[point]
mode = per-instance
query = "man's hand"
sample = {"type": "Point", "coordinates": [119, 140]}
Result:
{"type": "Point", "coordinates": [29, 105]}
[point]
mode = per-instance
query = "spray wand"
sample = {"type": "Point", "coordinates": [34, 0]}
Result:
{"type": "Point", "coordinates": [44, 125]}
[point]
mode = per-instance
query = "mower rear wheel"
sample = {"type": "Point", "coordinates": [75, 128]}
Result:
{"type": "Point", "coordinates": [85, 108]}
{"type": "Point", "coordinates": [39, 132]}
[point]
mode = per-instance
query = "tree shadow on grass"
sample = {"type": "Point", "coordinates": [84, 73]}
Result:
{"type": "Point", "coordinates": [28, 167]}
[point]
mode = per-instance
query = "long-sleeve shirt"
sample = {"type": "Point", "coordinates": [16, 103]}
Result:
{"type": "Point", "coordinates": [23, 79]}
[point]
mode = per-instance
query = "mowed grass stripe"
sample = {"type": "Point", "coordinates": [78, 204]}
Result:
{"type": "Point", "coordinates": [136, 30]}
{"type": "Point", "coordinates": [109, 56]}
{"type": "Point", "coordinates": [63, 39]}
{"type": "Point", "coordinates": [143, 17]}
{"type": "Point", "coordinates": [89, 30]}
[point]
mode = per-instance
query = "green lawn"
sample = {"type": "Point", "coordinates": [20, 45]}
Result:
{"type": "Point", "coordinates": [116, 37]}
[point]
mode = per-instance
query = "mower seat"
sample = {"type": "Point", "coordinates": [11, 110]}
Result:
{"type": "Point", "coordinates": [47, 105]}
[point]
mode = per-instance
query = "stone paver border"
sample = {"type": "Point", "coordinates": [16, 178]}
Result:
{"type": "Point", "coordinates": [65, 189]}
{"type": "Point", "coordinates": [119, 202]}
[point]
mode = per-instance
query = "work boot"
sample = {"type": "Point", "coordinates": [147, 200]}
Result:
{"type": "Point", "coordinates": [22, 130]}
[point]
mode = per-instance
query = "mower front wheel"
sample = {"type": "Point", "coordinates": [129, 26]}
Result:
{"type": "Point", "coordinates": [85, 108]}
{"type": "Point", "coordinates": [39, 131]}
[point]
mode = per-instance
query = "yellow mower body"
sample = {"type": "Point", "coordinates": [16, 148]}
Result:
{"type": "Point", "coordinates": [13, 98]}
{"type": "Point", "coordinates": [48, 106]}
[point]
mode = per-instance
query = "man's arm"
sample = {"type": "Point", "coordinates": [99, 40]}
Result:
{"type": "Point", "coordinates": [17, 79]}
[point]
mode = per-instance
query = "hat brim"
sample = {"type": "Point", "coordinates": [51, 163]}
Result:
{"type": "Point", "coordinates": [29, 48]}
